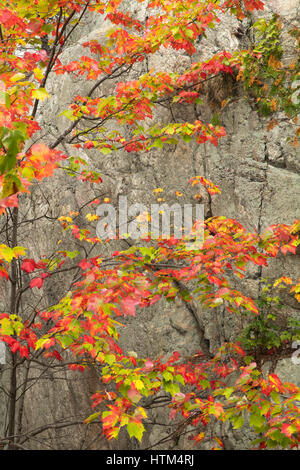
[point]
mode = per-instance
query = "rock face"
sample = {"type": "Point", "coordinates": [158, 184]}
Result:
{"type": "Point", "coordinates": [258, 173]}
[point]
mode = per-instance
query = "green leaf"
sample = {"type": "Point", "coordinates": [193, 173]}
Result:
{"type": "Point", "coordinates": [215, 120]}
{"type": "Point", "coordinates": [167, 376]}
{"type": "Point", "coordinates": [256, 420]}
{"type": "Point", "coordinates": [48, 28]}
{"type": "Point", "coordinates": [65, 341]}
{"type": "Point", "coordinates": [297, 396]}
{"type": "Point", "coordinates": [187, 138]}
{"type": "Point", "coordinates": [157, 143]}
{"type": "Point", "coordinates": [171, 387]}
{"type": "Point", "coordinates": [265, 408]}
{"type": "Point", "coordinates": [261, 25]}
{"type": "Point", "coordinates": [180, 379]}
{"type": "Point", "coordinates": [27, 173]}
{"type": "Point", "coordinates": [228, 391]}
{"type": "Point", "coordinates": [237, 421]}
{"type": "Point", "coordinates": [205, 383]}
{"type": "Point", "coordinates": [148, 253]}
{"type": "Point", "coordinates": [275, 397]}
{"type": "Point", "coordinates": [105, 150]}
{"type": "Point", "coordinates": [135, 430]}
{"type": "Point", "coordinates": [10, 140]}
{"type": "Point", "coordinates": [110, 359]}
{"type": "Point", "coordinates": [11, 184]}
{"type": "Point", "coordinates": [68, 113]}
{"type": "Point", "coordinates": [189, 33]}
{"type": "Point", "coordinates": [72, 254]}
{"type": "Point", "coordinates": [5, 99]}
{"type": "Point", "coordinates": [6, 328]}
{"type": "Point", "coordinates": [92, 417]}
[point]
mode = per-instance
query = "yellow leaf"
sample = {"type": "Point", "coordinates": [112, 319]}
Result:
{"type": "Point", "coordinates": [285, 279]}
{"type": "Point", "coordinates": [6, 253]}
{"type": "Point", "coordinates": [92, 217]}
{"type": "Point", "coordinates": [141, 411]}
{"type": "Point", "coordinates": [19, 250]}
{"type": "Point", "coordinates": [17, 77]}
{"type": "Point", "coordinates": [200, 437]}
{"type": "Point", "coordinates": [67, 219]}
{"type": "Point", "coordinates": [38, 73]}
{"type": "Point", "coordinates": [138, 384]}
{"type": "Point", "coordinates": [40, 94]}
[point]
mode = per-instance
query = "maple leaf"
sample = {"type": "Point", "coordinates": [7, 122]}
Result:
{"type": "Point", "coordinates": [15, 346]}
{"type": "Point", "coordinates": [128, 305]}
{"type": "Point", "coordinates": [251, 5]}
{"type": "Point", "coordinates": [36, 282]}
{"type": "Point", "coordinates": [28, 265]}
{"type": "Point", "coordinates": [288, 429]}
{"type": "Point", "coordinates": [84, 264]}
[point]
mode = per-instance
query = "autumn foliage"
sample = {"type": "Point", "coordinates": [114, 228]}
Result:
{"type": "Point", "coordinates": [85, 322]}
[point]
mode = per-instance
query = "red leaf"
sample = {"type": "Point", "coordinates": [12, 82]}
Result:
{"type": "Point", "coordinates": [251, 5]}
{"type": "Point", "coordinates": [28, 265]}
{"type": "Point", "coordinates": [15, 347]}
{"type": "Point", "coordinates": [128, 306]}
{"type": "Point", "coordinates": [84, 264]}
{"type": "Point", "coordinates": [148, 364]}
{"type": "Point", "coordinates": [3, 272]}
{"type": "Point", "coordinates": [50, 342]}
{"type": "Point", "coordinates": [36, 282]}
{"type": "Point", "coordinates": [275, 380]}
{"type": "Point", "coordinates": [76, 367]}
{"type": "Point", "coordinates": [24, 352]}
